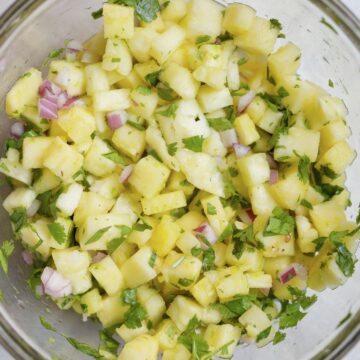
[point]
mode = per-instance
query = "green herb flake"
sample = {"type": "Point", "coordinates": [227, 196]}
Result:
{"type": "Point", "coordinates": [264, 334]}
{"type": "Point", "coordinates": [306, 204]}
{"type": "Point", "coordinates": [280, 223]}
{"type": "Point", "coordinates": [170, 111]}
{"type": "Point", "coordinates": [115, 60]}
{"type": "Point", "coordinates": [152, 259]}
{"type": "Point", "coordinates": [98, 235]}
{"type": "Point", "coordinates": [330, 83]}
{"type": "Point", "coordinates": [134, 317]}
{"type": "Point", "coordinates": [153, 78]}
{"type": "Point", "coordinates": [109, 343]}
{"type": "Point", "coordinates": [116, 242]}
{"type": "Point", "coordinates": [46, 324]}
{"type": "Point", "coordinates": [57, 231]}
{"type": "Point", "coordinates": [233, 172]}
{"type": "Point", "coordinates": [97, 14]}
{"type": "Point", "coordinates": [275, 24]}
{"type": "Point", "coordinates": [172, 149]}
{"type": "Point", "coordinates": [136, 125]}
{"type": "Point", "coordinates": [194, 143]}
{"type": "Point", "coordinates": [235, 308]}
{"type": "Point", "coordinates": [185, 282]}
{"type": "Point", "coordinates": [227, 232]}
{"type": "Point", "coordinates": [344, 320]}
{"type": "Point", "coordinates": [84, 348]}
{"type": "Point", "coordinates": [279, 337]}
{"type": "Point", "coordinates": [7, 248]}
{"type": "Point", "coordinates": [202, 39]}
{"type": "Point", "coordinates": [143, 90]}
{"type": "Point", "coordinates": [282, 92]}
{"type": "Point", "coordinates": [220, 124]}
{"type": "Point", "coordinates": [166, 93]}
{"type": "Point", "coordinates": [115, 157]}
{"type": "Point", "coordinates": [129, 296]}
{"type": "Point", "coordinates": [55, 53]}
{"type": "Point", "coordinates": [25, 75]}
{"type": "Point", "coordinates": [141, 226]}
{"type": "Point", "coordinates": [241, 238]}
{"type": "Point", "coordinates": [328, 172]}
{"type": "Point", "coordinates": [326, 23]}
{"type": "Point", "coordinates": [304, 168]}
{"type": "Point", "coordinates": [242, 61]}
{"type": "Point", "coordinates": [211, 209]}
{"type": "Point", "coordinates": [319, 243]}
{"type": "Point", "coordinates": [19, 218]}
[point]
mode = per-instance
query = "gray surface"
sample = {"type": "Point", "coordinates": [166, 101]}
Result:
{"type": "Point", "coordinates": [355, 6]}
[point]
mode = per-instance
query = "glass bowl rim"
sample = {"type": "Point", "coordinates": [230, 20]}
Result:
{"type": "Point", "coordinates": [347, 338]}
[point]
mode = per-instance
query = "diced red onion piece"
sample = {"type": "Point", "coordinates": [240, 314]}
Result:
{"type": "Point", "coordinates": [126, 173]}
{"type": "Point", "coordinates": [292, 271]}
{"type": "Point", "coordinates": [116, 119]}
{"type": "Point", "coordinates": [272, 163]}
{"type": "Point", "coordinates": [17, 129]}
{"type": "Point", "coordinates": [251, 215]}
{"type": "Point", "coordinates": [241, 150]}
{"type": "Point", "coordinates": [54, 284]}
{"type": "Point", "coordinates": [207, 231]}
{"type": "Point", "coordinates": [74, 46]}
{"type": "Point", "coordinates": [27, 257]}
{"type": "Point", "coordinates": [274, 177]}
{"type": "Point", "coordinates": [229, 137]}
{"type": "Point", "coordinates": [50, 86]}
{"type": "Point", "coordinates": [33, 209]}
{"type": "Point", "coordinates": [48, 109]}
{"type": "Point", "coordinates": [98, 257]}
{"type": "Point", "coordinates": [245, 101]}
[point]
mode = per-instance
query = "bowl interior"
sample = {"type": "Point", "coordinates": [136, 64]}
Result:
{"type": "Point", "coordinates": [41, 26]}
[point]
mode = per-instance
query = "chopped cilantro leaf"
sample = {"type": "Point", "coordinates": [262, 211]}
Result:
{"type": "Point", "coordinates": [109, 343]}
{"type": "Point", "coordinates": [319, 243]}
{"type": "Point", "coordinates": [152, 259]}
{"type": "Point", "coordinates": [128, 296]}
{"type": "Point", "coordinates": [97, 236]}
{"type": "Point", "coordinates": [134, 316]}
{"type": "Point", "coordinates": [194, 143]}
{"type": "Point", "coordinates": [328, 172]}
{"type": "Point", "coordinates": [280, 223]}
{"type": "Point", "coordinates": [220, 124]}
{"type": "Point", "coordinates": [170, 111]}
{"type": "Point", "coordinates": [153, 78]}
{"type": "Point", "coordinates": [136, 125]}
{"type": "Point", "coordinates": [235, 308]}
{"type": "Point", "coordinates": [46, 324]}
{"type": "Point", "coordinates": [326, 23]}
{"type": "Point", "coordinates": [7, 248]}
{"type": "Point", "coordinates": [84, 348]}
{"type": "Point", "coordinates": [282, 92]}
{"type": "Point", "coordinates": [344, 320]}
{"type": "Point", "coordinates": [57, 231]}
{"type": "Point", "coordinates": [143, 90]}
{"type": "Point", "coordinates": [264, 334]}
{"type": "Point", "coordinates": [233, 172]}
{"type": "Point", "coordinates": [275, 24]}
{"type": "Point", "coordinates": [115, 157]}
{"type": "Point", "coordinates": [227, 232]}
{"type": "Point", "coordinates": [279, 337]}
{"type": "Point", "coordinates": [330, 83]}
{"type": "Point", "coordinates": [141, 226]}
{"type": "Point", "coordinates": [172, 148]}
{"type": "Point", "coordinates": [211, 209]}
{"type": "Point", "coordinates": [185, 282]}
{"type": "Point", "coordinates": [202, 39]}
{"type": "Point", "coordinates": [55, 53]}
{"type": "Point", "coordinates": [19, 218]}
{"type": "Point", "coordinates": [97, 14]}
{"type": "Point", "coordinates": [304, 168]}
{"type": "Point", "coordinates": [306, 204]}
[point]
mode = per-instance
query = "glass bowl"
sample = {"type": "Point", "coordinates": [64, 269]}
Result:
{"type": "Point", "coordinates": [32, 28]}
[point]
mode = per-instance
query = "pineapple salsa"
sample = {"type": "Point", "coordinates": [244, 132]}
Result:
{"type": "Point", "coordinates": [176, 179]}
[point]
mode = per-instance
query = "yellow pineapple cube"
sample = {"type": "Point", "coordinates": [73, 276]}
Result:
{"type": "Point", "coordinates": [256, 109]}
{"type": "Point", "coordinates": [164, 236]}
{"type": "Point", "coordinates": [123, 252]}
{"type": "Point", "coordinates": [180, 80]}
{"type": "Point", "coordinates": [96, 79]}
{"type": "Point", "coordinates": [204, 292]}
{"type": "Point", "coordinates": [306, 234]}
{"type": "Point", "coordinates": [191, 220]}
{"type": "Point", "coordinates": [246, 130]}
{"type": "Point", "coordinates": [146, 68]}
{"type": "Point", "coordinates": [23, 93]}
{"type": "Point", "coordinates": [177, 181]}
{"type": "Point", "coordinates": [182, 310]}
{"type": "Point", "coordinates": [34, 151]}
{"type": "Point", "coordinates": [179, 352]}
{"type": "Point", "coordinates": [254, 321]}
{"type": "Point", "coordinates": [269, 120]}
{"type": "Point", "coordinates": [187, 241]}
{"type": "Point", "coordinates": [143, 347]}
{"type": "Point", "coordinates": [148, 167]}
{"type": "Point", "coordinates": [262, 201]}
{"type": "Point", "coordinates": [113, 311]}
{"type": "Point", "coordinates": [112, 100]}
{"type": "Point", "coordinates": [145, 101]}
{"type": "Point", "coordinates": [238, 18]}
{"type": "Point", "coordinates": [250, 259]}
{"type": "Point", "coordinates": [333, 133]}
{"type": "Point", "coordinates": [213, 99]}
{"type": "Point", "coordinates": [92, 302]}
{"type": "Point", "coordinates": [62, 160]}
{"type": "Point", "coordinates": [254, 169]}
{"type": "Point", "coordinates": [78, 123]}
{"type": "Point", "coordinates": [139, 268]}
{"type": "Point", "coordinates": [224, 337]}
{"type": "Point", "coordinates": [258, 280]}
{"type": "Point", "coordinates": [117, 57]}
{"type": "Point", "coordinates": [118, 21]}
{"type": "Point", "coordinates": [128, 334]}
{"type": "Point", "coordinates": [167, 334]}
{"type": "Point", "coordinates": [131, 81]}
{"type": "Point", "coordinates": [215, 213]}
{"type": "Point", "coordinates": [140, 43]}
{"type": "Point", "coordinates": [129, 141]}
{"type": "Point", "coordinates": [107, 275]}
{"type": "Point", "coordinates": [152, 302]}
{"type": "Point", "coordinates": [164, 44]}
{"type": "Point", "coordinates": [231, 284]}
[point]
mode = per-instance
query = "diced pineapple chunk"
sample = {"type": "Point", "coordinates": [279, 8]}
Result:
{"type": "Point", "coordinates": [143, 347]}
{"type": "Point", "coordinates": [167, 334]}
{"type": "Point", "coordinates": [146, 68]}
{"type": "Point", "coordinates": [96, 79]}
{"type": "Point", "coordinates": [62, 160]}
{"type": "Point", "coordinates": [255, 321]}
{"type": "Point", "coordinates": [256, 109]}
{"type": "Point", "coordinates": [191, 220]}
{"type": "Point", "coordinates": [213, 145]}
{"type": "Point", "coordinates": [213, 99]}
{"type": "Point", "coordinates": [91, 204]}
{"type": "Point", "coordinates": [337, 158]}
{"type": "Point", "coordinates": [180, 80]}
{"type": "Point", "coordinates": [113, 311]}
{"type": "Point", "coordinates": [250, 259]}
{"type": "Point", "coordinates": [131, 81]}
{"type": "Point", "coordinates": [175, 11]}
{"type": "Point", "coordinates": [254, 169]}
{"type": "Point", "coordinates": [109, 187]}
{"type": "Point", "coordinates": [164, 44]}
{"type": "Point", "coordinates": [69, 200]}
{"type": "Point", "coordinates": [152, 302]}
{"type": "Point", "coordinates": [164, 236]}
{"type": "Point", "coordinates": [123, 252]}
{"type": "Point", "coordinates": [246, 130]}
{"type": "Point", "coordinates": [128, 334]}
{"type": "Point", "coordinates": [92, 302]}
{"type": "Point", "coordinates": [32, 239]}
{"type": "Point", "coordinates": [107, 275]}
{"type": "Point", "coordinates": [259, 39]}
{"type": "Point", "coordinates": [74, 264]}
{"type": "Point", "coordinates": [333, 133]}
{"type": "Point", "coordinates": [215, 213]}
{"type": "Point", "coordinates": [204, 17]}
{"type": "Point", "coordinates": [201, 170]}
{"type": "Point", "coordinates": [19, 198]}
{"type": "Point", "coordinates": [182, 310]}
{"type": "Point", "coordinates": [14, 169]}
{"type": "Point", "coordinates": [179, 352]}
{"type": "Point", "coordinates": [273, 266]}
{"type": "Point", "coordinates": [127, 204]}
{"type": "Point", "coordinates": [140, 43]}
{"type": "Point", "coordinates": [138, 269]}
{"type": "Point", "coordinates": [69, 76]}
{"type": "Point", "coordinates": [181, 270]}
{"type": "Point", "coordinates": [78, 123]}
{"type": "Point", "coordinates": [238, 18]}
{"type": "Point", "coordinates": [306, 234]}
{"type": "Point", "coordinates": [23, 93]}
{"type": "Point", "coordinates": [232, 283]}
{"type": "Point", "coordinates": [224, 337]}
{"type": "Point", "coordinates": [148, 167]}
{"type": "Point", "coordinates": [269, 120]}
{"type": "Point", "coordinates": [284, 62]}
{"type": "Point", "coordinates": [326, 217]}
{"type": "Point", "coordinates": [34, 151]}
{"type": "Point", "coordinates": [117, 57]}
{"type": "Point", "coordinates": [145, 101]}
{"type": "Point", "coordinates": [46, 181]}
{"type": "Point", "coordinates": [204, 292]}
{"type": "Point", "coordinates": [118, 21]}
{"type": "Point", "coordinates": [112, 100]}
{"type": "Point", "coordinates": [292, 145]}
{"type": "Point", "coordinates": [259, 280]}
{"type": "Point", "coordinates": [291, 185]}
{"type": "Point", "coordinates": [164, 202]}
